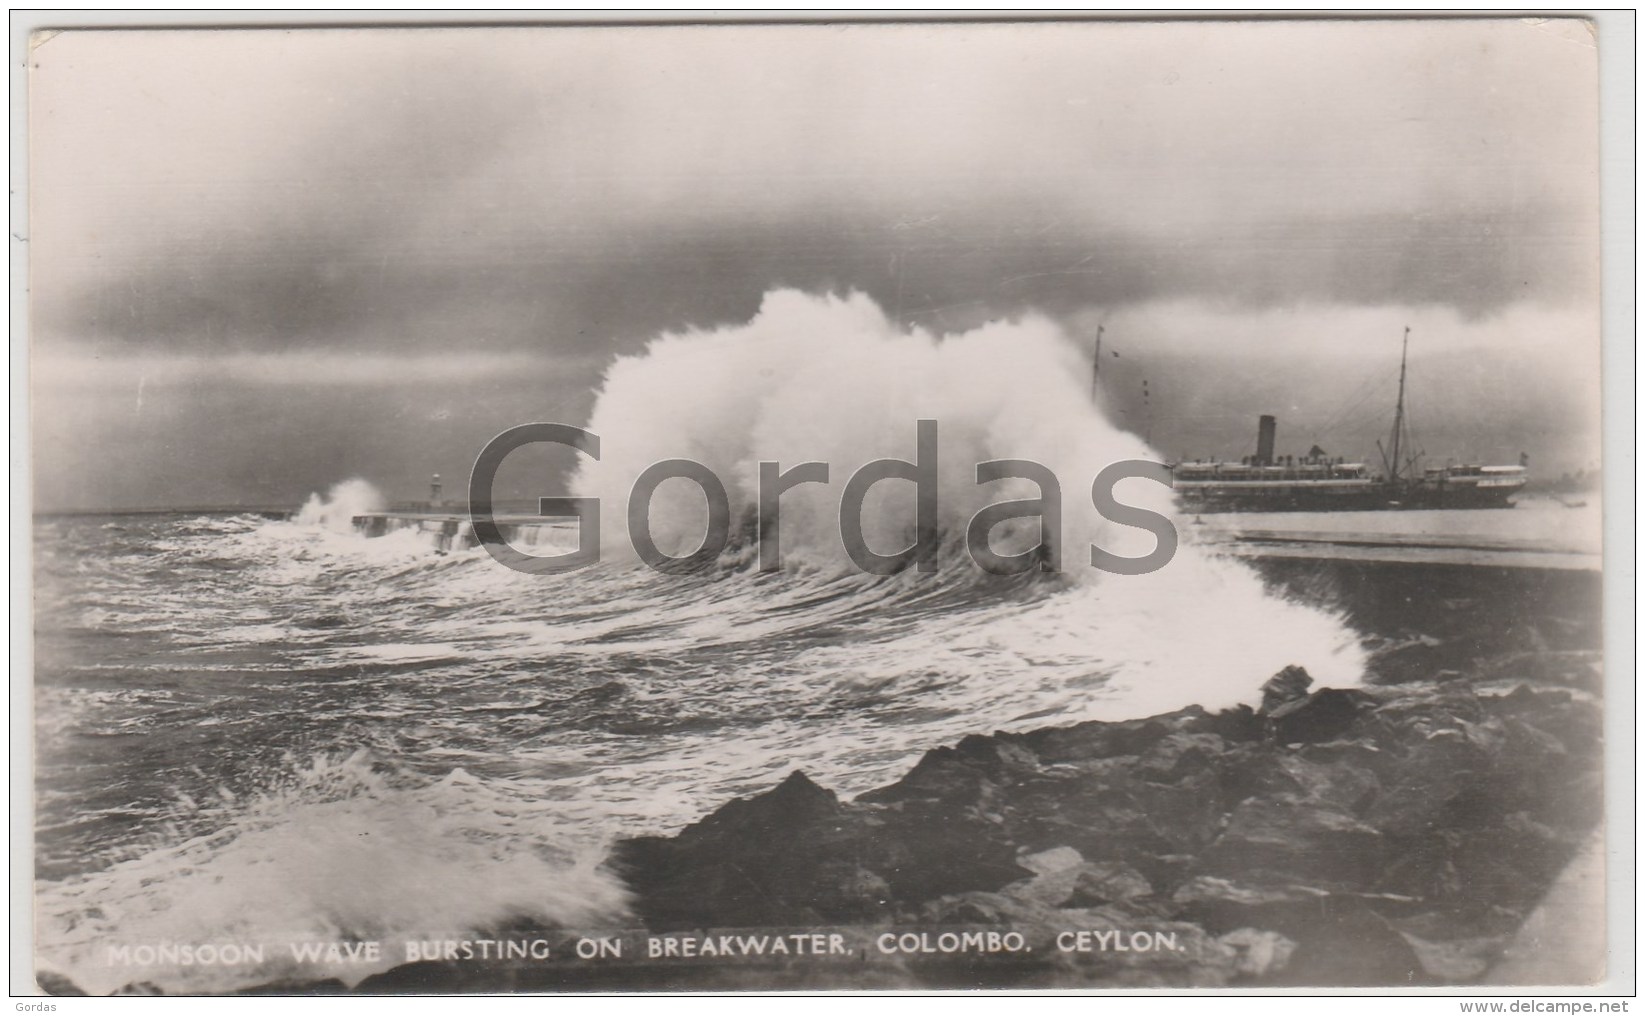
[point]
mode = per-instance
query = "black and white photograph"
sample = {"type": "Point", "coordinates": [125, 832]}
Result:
{"type": "Point", "coordinates": [1063, 504]}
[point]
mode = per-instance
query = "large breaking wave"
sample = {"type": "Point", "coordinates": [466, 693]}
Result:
{"type": "Point", "coordinates": [831, 379]}
{"type": "Point", "coordinates": [337, 738]}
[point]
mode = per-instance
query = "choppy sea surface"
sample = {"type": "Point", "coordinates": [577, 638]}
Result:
{"type": "Point", "coordinates": [263, 731]}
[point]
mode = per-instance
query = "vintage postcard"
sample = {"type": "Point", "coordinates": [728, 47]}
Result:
{"type": "Point", "coordinates": [1061, 504]}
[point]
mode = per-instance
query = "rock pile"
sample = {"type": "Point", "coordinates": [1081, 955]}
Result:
{"type": "Point", "coordinates": [1386, 836]}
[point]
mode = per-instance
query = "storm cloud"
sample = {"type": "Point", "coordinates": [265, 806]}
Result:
{"type": "Point", "coordinates": [563, 194]}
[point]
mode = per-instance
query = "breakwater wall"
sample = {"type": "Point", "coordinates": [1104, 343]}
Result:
{"type": "Point", "coordinates": [453, 530]}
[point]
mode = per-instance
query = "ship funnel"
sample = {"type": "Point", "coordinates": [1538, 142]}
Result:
{"type": "Point", "coordinates": [1265, 440]}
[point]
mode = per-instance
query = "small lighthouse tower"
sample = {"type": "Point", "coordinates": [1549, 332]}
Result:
{"type": "Point", "coordinates": [434, 489]}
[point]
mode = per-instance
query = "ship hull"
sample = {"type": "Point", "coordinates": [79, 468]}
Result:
{"type": "Point", "coordinates": [1284, 501]}
{"type": "Point", "coordinates": [1380, 497]}
{"type": "Point", "coordinates": [1460, 497]}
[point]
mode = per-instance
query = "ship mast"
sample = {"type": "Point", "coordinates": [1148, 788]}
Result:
{"type": "Point", "coordinates": [1096, 363]}
{"type": "Point", "coordinates": [1399, 407]}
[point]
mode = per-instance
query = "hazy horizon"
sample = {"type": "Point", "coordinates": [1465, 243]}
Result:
{"type": "Point", "coordinates": [266, 261]}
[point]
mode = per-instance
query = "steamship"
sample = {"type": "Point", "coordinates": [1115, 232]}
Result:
{"type": "Point", "coordinates": [1265, 482]}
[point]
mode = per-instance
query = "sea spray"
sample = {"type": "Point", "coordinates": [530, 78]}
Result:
{"type": "Point", "coordinates": [831, 379]}
{"type": "Point", "coordinates": [333, 850]}
{"type": "Point", "coordinates": [336, 511]}
{"type": "Point", "coordinates": [328, 738]}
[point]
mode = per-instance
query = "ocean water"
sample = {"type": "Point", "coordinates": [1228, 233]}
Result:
{"type": "Point", "coordinates": [255, 731]}
{"type": "Point", "coordinates": [261, 731]}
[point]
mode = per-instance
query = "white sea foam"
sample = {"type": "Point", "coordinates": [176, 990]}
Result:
{"type": "Point", "coordinates": [335, 851]}
{"type": "Point", "coordinates": [337, 509]}
{"type": "Point", "coordinates": [474, 737]}
{"type": "Point", "coordinates": [831, 379]}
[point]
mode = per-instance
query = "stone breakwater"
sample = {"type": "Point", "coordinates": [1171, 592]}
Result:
{"type": "Point", "coordinates": [1392, 836]}
{"type": "Point", "coordinates": [1396, 835]}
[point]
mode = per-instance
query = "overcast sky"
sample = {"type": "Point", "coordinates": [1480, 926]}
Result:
{"type": "Point", "coordinates": [264, 261]}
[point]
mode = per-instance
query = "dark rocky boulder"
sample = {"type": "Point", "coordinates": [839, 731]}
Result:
{"type": "Point", "coordinates": [1325, 715]}
{"type": "Point", "coordinates": [1273, 839]}
{"type": "Point", "coordinates": [1289, 685]}
{"type": "Point", "coordinates": [1341, 938]}
{"type": "Point", "coordinates": [1391, 835]}
{"type": "Point", "coordinates": [323, 986]}
{"type": "Point", "coordinates": [781, 858]}
{"type": "Point", "coordinates": [56, 984]}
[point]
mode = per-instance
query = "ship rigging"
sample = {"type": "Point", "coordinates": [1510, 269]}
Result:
{"type": "Point", "coordinates": [1268, 482]}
